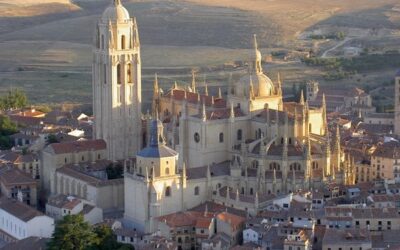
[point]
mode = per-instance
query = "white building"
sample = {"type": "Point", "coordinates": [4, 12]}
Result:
{"type": "Point", "coordinates": [19, 221]}
{"type": "Point", "coordinates": [61, 205]}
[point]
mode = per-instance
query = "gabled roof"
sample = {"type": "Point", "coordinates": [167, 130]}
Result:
{"type": "Point", "coordinates": [19, 209]}
{"type": "Point", "coordinates": [77, 146]}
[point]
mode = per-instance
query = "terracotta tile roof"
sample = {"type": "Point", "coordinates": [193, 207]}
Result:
{"type": "Point", "coordinates": [235, 221]}
{"type": "Point", "coordinates": [63, 201]}
{"type": "Point", "coordinates": [11, 176]}
{"type": "Point", "coordinates": [28, 243]}
{"type": "Point", "coordinates": [77, 146]}
{"type": "Point", "coordinates": [188, 218]}
{"type": "Point", "coordinates": [339, 236]}
{"type": "Point", "coordinates": [216, 208]}
{"type": "Point", "coordinates": [221, 114]}
{"type": "Point", "coordinates": [26, 120]}
{"type": "Point", "coordinates": [19, 209]}
{"type": "Point", "coordinates": [179, 95]}
{"type": "Point", "coordinates": [388, 150]}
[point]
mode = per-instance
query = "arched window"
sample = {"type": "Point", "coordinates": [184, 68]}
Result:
{"type": "Point", "coordinates": [239, 135]}
{"type": "Point", "coordinates": [140, 170]}
{"type": "Point", "coordinates": [102, 41]}
{"type": "Point", "coordinates": [290, 140]}
{"type": "Point", "coordinates": [168, 192]}
{"type": "Point", "coordinates": [251, 191]}
{"type": "Point", "coordinates": [129, 72]}
{"type": "Point", "coordinates": [282, 141]}
{"type": "Point", "coordinates": [122, 42]}
{"type": "Point", "coordinates": [196, 191]}
{"type": "Point", "coordinates": [242, 190]}
{"type": "Point", "coordinates": [119, 75]}
{"type": "Point", "coordinates": [166, 171]}
{"type": "Point", "coordinates": [315, 165]}
{"type": "Point", "coordinates": [259, 133]}
{"type": "Point", "coordinates": [309, 127]}
{"type": "Point", "coordinates": [295, 166]}
{"type": "Point", "coordinates": [254, 164]}
{"type": "Point", "coordinates": [275, 166]}
{"type": "Point", "coordinates": [221, 137]}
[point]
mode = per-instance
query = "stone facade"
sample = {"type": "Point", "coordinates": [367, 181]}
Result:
{"type": "Point", "coordinates": [117, 86]}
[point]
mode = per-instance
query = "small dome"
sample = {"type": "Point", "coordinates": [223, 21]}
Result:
{"type": "Point", "coordinates": [115, 12]}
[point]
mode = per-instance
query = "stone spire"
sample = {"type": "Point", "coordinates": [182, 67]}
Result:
{"type": "Point", "coordinates": [279, 89]}
{"type": "Point", "coordinates": [302, 98]}
{"type": "Point", "coordinates": [232, 116]}
{"type": "Point", "coordinates": [237, 195]}
{"type": "Point", "coordinates": [256, 201]}
{"type": "Point", "coordinates": [295, 122]}
{"type": "Point", "coordinates": [184, 176]}
{"type": "Point", "coordinates": [206, 90]}
{"type": "Point", "coordinates": [175, 86]}
{"type": "Point", "coordinates": [193, 82]}
{"type": "Point", "coordinates": [155, 85]}
{"type": "Point", "coordinates": [257, 66]}
{"type": "Point", "coordinates": [219, 93]}
{"type": "Point", "coordinates": [204, 114]}
{"type": "Point", "coordinates": [156, 133]}
{"type": "Point", "coordinates": [155, 95]}
{"type": "Point", "coordinates": [212, 100]}
{"type": "Point", "coordinates": [324, 113]}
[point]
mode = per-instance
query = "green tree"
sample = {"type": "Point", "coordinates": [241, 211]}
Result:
{"type": "Point", "coordinates": [108, 240]}
{"type": "Point", "coordinates": [73, 233]}
{"type": "Point", "coordinates": [114, 171]}
{"type": "Point", "coordinates": [52, 138]}
{"type": "Point", "coordinates": [14, 99]}
{"type": "Point", "coordinates": [7, 128]}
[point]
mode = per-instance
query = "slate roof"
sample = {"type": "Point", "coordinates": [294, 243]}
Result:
{"type": "Point", "coordinates": [157, 152]}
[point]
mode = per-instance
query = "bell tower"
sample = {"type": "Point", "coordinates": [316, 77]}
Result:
{"type": "Point", "coordinates": [397, 104]}
{"type": "Point", "coordinates": [116, 82]}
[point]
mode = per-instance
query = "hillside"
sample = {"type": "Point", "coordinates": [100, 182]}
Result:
{"type": "Point", "coordinates": [45, 44]}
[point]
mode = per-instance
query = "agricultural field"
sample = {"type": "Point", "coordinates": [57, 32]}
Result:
{"type": "Point", "coordinates": [45, 45]}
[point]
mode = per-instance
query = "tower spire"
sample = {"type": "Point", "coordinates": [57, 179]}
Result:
{"type": "Point", "coordinates": [232, 116]}
{"type": "Point", "coordinates": [279, 90]}
{"type": "Point", "coordinates": [193, 82]}
{"type": "Point", "coordinates": [204, 114]}
{"type": "Point", "coordinates": [117, 2]}
{"type": "Point", "coordinates": [302, 97]}
{"type": "Point", "coordinates": [257, 65]}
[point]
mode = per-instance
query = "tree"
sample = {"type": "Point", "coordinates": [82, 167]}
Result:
{"type": "Point", "coordinates": [7, 128]}
{"type": "Point", "coordinates": [52, 138]}
{"type": "Point", "coordinates": [73, 233]}
{"type": "Point", "coordinates": [115, 171]}
{"type": "Point", "coordinates": [14, 99]}
{"type": "Point", "coordinates": [108, 240]}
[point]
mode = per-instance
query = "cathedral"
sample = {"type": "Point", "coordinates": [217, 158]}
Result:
{"type": "Point", "coordinates": [236, 150]}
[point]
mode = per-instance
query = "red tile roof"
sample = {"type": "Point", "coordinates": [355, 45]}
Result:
{"type": "Point", "coordinates": [78, 146]}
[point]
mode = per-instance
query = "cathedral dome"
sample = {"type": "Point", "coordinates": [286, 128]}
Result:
{"type": "Point", "coordinates": [115, 12]}
{"type": "Point", "coordinates": [262, 84]}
